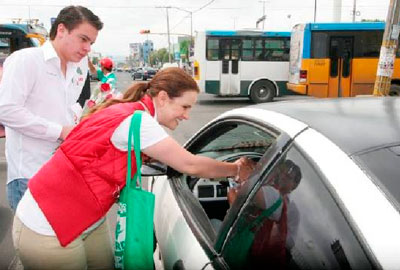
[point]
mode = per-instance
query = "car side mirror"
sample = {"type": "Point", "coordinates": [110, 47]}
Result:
{"type": "Point", "coordinates": [154, 169]}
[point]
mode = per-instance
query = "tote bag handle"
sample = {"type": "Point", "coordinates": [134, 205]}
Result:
{"type": "Point", "coordinates": [134, 130]}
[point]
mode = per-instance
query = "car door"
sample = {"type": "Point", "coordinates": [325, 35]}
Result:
{"type": "Point", "coordinates": [189, 210]}
{"type": "Point", "coordinates": [290, 220]}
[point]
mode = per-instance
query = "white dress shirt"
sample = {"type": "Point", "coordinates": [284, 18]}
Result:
{"type": "Point", "coordinates": [36, 100]}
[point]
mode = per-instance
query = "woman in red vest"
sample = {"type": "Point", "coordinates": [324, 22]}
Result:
{"type": "Point", "coordinates": [59, 223]}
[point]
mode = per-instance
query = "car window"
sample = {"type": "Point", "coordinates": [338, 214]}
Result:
{"type": "Point", "coordinates": [235, 137]}
{"type": "Point", "coordinates": [225, 141]}
{"type": "Point", "coordinates": [292, 221]}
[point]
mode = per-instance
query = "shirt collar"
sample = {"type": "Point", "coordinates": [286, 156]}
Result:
{"type": "Point", "coordinates": [48, 51]}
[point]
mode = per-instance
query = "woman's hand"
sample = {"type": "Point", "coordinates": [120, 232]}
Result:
{"type": "Point", "coordinates": [245, 168]}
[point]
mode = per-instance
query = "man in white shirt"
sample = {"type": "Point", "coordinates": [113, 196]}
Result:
{"type": "Point", "coordinates": [38, 94]}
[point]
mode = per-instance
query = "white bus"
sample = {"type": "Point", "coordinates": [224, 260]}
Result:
{"type": "Point", "coordinates": [246, 63]}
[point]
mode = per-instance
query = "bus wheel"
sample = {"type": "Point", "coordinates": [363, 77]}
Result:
{"type": "Point", "coordinates": [262, 91]}
{"type": "Point", "coordinates": [394, 90]}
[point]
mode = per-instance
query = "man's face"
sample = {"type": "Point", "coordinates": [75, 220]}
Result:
{"type": "Point", "coordinates": [76, 44]}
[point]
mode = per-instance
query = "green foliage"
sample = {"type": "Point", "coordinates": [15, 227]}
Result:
{"type": "Point", "coordinates": [184, 49]}
{"type": "Point", "coordinates": [158, 57]}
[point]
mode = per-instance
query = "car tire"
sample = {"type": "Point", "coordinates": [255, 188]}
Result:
{"type": "Point", "coordinates": [394, 90]}
{"type": "Point", "coordinates": [262, 91]}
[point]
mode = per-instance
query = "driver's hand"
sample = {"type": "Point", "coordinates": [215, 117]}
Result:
{"type": "Point", "coordinates": [232, 194]}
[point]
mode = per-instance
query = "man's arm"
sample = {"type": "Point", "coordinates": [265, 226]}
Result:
{"type": "Point", "coordinates": [92, 68]}
{"type": "Point", "coordinates": [15, 89]}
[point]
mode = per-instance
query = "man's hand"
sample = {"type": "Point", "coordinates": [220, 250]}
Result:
{"type": "Point", "coordinates": [92, 68]}
{"type": "Point", "coordinates": [65, 131]}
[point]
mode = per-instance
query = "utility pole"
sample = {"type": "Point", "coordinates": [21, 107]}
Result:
{"type": "Point", "coordinates": [388, 50]}
{"type": "Point", "coordinates": [169, 41]}
{"type": "Point", "coordinates": [263, 16]}
{"type": "Point", "coordinates": [315, 10]}
{"type": "Point", "coordinates": [354, 10]}
{"type": "Point", "coordinates": [191, 29]}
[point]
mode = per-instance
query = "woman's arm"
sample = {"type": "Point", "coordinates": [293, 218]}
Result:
{"type": "Point", "coordinates": [168, 151]}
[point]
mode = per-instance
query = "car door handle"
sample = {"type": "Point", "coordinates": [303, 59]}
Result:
{"type": "Point", "coordinates": [178, 265]}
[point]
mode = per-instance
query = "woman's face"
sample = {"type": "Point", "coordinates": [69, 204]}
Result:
{"type": "Point", "coordinates": [170, 111]}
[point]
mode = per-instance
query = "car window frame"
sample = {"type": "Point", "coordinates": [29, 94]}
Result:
{"type": "Point", "coordinates": [178, 190]}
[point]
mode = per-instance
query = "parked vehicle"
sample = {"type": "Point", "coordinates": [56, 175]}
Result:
{"type": "Point", "coordinates": [341, 210]}
{"type": "Point", "coordinates": [143, 73]}
{"type": "Point", "coordinates": [149, 73]}
{"type": "Point", "coordinates": [137, 74]}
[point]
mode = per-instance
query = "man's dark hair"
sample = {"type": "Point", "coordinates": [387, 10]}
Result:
{"type": "Point", "coordinates": [72, 16]}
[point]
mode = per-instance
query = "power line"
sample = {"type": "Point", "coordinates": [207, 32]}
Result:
{"type": "Point", "coordinates": [206, 5]}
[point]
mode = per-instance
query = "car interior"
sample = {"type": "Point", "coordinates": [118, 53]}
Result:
{"type": "Point", "coordinates": [228, 141]}
{"type": "Point", "coordinates": [212, 193]}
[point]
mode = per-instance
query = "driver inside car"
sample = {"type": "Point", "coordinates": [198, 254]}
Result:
{"type": "Point", "coordinates": [274, 225]}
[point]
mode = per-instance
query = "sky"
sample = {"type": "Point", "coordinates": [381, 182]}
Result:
{"type": "Point", "coordinates": [123, 19]}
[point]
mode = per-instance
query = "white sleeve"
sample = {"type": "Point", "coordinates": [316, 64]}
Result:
{"type": "Point", "coordinates": [271, 195]}
{"type": "Point", "coordinates": [15, 87]}
{"type": "Point", "coordinates": [150, 133]}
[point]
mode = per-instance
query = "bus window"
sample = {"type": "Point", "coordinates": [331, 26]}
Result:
{"type": "Point", "coordinates": [347, 55]}
{"type": "Point", "coordinates": [260, 54]}
{"type": "Point", "coordinates": [277, 49]}
{"type": "Point", "coordinates": [4, 47]}
{"type": "Point", "coordinates": [334, 57]}
{"type": "Point", "coordinates": [247, 50]}
{"type": "Point", "coordinates": [319, 45]}
{"type": "Point", "coordinates": [235, 49]}
{"type": "Point", "coordinates": [225, 49]}
{"type": "Point", "coordinates": [212, 49]}
{"type": "Point", "coordinates": [369, 44]}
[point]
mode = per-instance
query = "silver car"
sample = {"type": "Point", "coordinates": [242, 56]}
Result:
{"type": "Point", "coordinates": [324, 195]}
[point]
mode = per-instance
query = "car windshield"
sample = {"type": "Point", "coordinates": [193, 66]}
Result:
{"type": "Point", "coordinates": [239, 137]}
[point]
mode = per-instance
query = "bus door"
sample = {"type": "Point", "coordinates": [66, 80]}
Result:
{"type": "Point", "coordinates": [341, 55]}
{"type": "Point", "coordinates": [230, 75]}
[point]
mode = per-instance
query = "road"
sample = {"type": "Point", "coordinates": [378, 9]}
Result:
{"type": "Point", "coordinates": [207, 108]}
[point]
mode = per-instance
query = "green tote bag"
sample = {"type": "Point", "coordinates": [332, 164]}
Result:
{"type": "Point", "coordinates": [134, 229]}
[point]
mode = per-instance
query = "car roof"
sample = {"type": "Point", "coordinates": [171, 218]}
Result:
{"type": "Point", "coordinates": [373, 121]}
{"type": "Point", "coordinates": [366, 128]}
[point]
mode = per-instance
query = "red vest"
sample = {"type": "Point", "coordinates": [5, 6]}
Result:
{"type": "Point", "coordinates": [79, 184]}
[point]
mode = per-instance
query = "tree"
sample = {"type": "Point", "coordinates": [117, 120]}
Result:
{"type": "Point", "coordinates": [184, 49]}
{"type": "Point", "coordinates": [159, 57]}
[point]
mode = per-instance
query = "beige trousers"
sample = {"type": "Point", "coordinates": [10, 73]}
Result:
{"type": "Point", "coordinates": [41, 252]}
